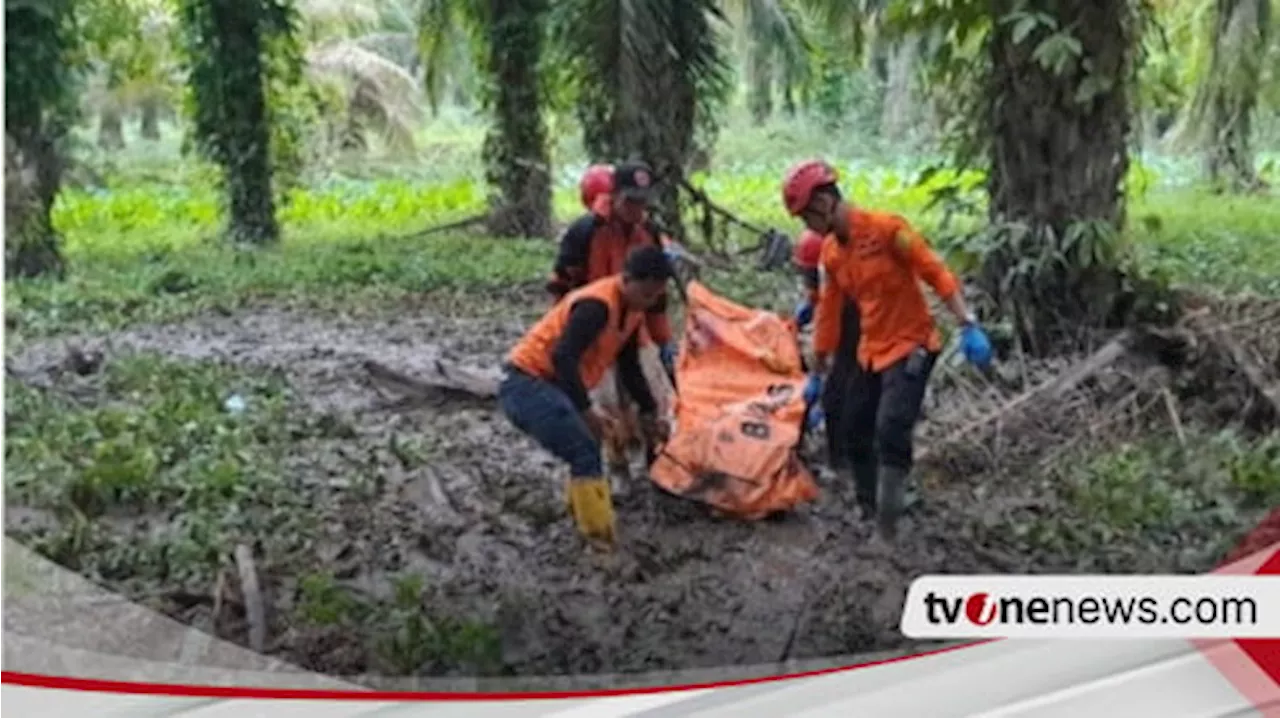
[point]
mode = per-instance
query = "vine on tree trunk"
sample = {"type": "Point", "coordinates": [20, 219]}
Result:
{"type": "Point", "coordinates": [234, 50]}
{"type": "Point", "coordinates": [515, 148]}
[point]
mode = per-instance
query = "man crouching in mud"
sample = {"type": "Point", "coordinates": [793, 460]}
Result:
{"type": "Point", "coordinates": [564, 356]}
{"type": "Point", "coordinates": [877, 259]}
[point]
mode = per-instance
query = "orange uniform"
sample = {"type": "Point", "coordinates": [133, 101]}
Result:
{"type": "Point", "coordinates": [532, 354]}
{"type": "Point", "coordinates": [594, 247]}
{"type": "Point", "coordinates": [880, 269]}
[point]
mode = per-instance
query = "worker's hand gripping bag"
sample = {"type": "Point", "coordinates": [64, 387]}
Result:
{"type": "Point", "coordinates": [739, 413]}
{"type": "Point", "coordinates": [606, 396]}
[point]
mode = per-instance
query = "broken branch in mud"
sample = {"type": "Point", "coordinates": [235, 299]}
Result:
{"type": "Point", "coordinates": [252, 592]}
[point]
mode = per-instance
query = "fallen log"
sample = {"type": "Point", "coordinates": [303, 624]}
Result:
{"type": "Point", "coordinates": [439, 380]}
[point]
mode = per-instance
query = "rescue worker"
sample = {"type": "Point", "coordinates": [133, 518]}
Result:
{"type": "Point", "coordinates": [596, 244]}
{"type": "Point", "coordinates": [877, 259]}
{"type": "Point", "coordinates": [805, 258]}
{"type": "Point", "coordinates": [551, 370]}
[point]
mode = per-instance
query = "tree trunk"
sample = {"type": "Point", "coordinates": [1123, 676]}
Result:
{"type": "Point", "coordinates": [644, 102]}
{"type": "Point", "coordinates": [901, 110]}
{"type": "Point", "coordinates": [1230, 92]}
{"type": "Point", "coordinates": [111, 128]}
{"type": "Point", "coordinates": [515, 149]}
{"type": "Point", "coordinates": [247, 165]}
{"type": "Point", "coordinates": [33, 171]}
{"type": "Point", "coordinates": [1058, 159]}
{"type": "Point", "coordinates": [760, 79]}
{"type": "Point", "coordinates": [149, 124]}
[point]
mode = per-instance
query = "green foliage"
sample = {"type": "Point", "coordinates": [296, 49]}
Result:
{"type": "Point", "coordinates": [155, 444]}
{"type": "Point", "coordinates": [1159, 492]}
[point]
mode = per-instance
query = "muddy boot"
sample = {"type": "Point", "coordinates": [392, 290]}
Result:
{"type": "Point", "coordinates": [890, 500]}
{"type": "Point", "coordinates": [864, 483]}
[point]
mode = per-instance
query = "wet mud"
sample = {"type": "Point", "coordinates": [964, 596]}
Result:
{"type": "Point", "coordinates": [482, 521]}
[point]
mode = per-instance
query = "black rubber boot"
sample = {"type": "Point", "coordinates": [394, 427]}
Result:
{"type": "Point", "coordinates": [864, 482]}
{"type": "Point", "coordinates": [890, 500]}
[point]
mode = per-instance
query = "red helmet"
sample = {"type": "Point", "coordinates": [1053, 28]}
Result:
{"type": "Point", "coordinates": [802, 180]}
{"type": "Point", "coordinates": [808, 250]}
{"type": "Point", "coordinates": [597, 180]}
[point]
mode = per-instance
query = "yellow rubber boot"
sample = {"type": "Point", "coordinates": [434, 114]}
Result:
{"type": "Point", "coordinates": [591, 503]}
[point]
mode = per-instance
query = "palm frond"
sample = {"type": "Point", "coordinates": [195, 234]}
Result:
{"type": "Point", "coordinates": [374, 86]}
{"type": "Point", "coordinates": [448, 30]}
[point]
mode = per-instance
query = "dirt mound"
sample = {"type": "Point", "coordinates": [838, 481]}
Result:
{"type": "Point", "coordinates": [477, 518]}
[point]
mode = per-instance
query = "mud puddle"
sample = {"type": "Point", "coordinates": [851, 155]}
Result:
{"type": "Point", "coordinates": [479, 516]}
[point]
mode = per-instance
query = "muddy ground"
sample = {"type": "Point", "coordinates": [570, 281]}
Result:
{"type": "Point", "coordinates": [483, 523]}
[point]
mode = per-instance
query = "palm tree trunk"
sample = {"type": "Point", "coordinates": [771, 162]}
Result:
{"type": "Point", "coordinates": [248, 162]}
{"type": "Point", "coordinates": [33, 176]}
{"type": "Point", "coordinates": [149, 123]}
{"type": "Point", "coordinates": [901, 109]}
{"type": "Point", "coordinates": [110, 127]}
{"type": "Point", "coordinates": [760, 80]}
{"type": "Point", "coordinates": [515, 150]}
{"type": "Point", "coordinates": [1057, 158]}
{"type": "Point", "coordinates": [1230, 92]}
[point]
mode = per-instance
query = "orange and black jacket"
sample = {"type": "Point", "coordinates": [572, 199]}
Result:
{"type": "Point", "coordinates": [594, 247]}
{"type": "Point", "coordinates": [880, 268]}
{"type": "Point", "coordinates": [579, 338]}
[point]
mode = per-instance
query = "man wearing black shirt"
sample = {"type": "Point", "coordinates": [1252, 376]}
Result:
{"type": "Point", "coordinates": [551, 371]}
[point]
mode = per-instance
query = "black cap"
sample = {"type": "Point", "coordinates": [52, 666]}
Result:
{"type": "Point", "coordinates": [648, 263]}
{"type": "Point", "coordinates": [633, 180]}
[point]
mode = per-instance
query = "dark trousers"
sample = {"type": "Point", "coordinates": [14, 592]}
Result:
{"type": "Point", "coordinates": [544, 412]}
{"type": "Point", "coordinates": [881, 410]}
{"type": "Point", "coordinates": [836, 389]}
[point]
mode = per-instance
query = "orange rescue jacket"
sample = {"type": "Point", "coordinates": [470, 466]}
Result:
{"type": "Point", "coordinates": [532, 354]}
{"type": "Point", "coordinates": [594, 247]}
{"type": "Point", "coordinates": [880, 268]}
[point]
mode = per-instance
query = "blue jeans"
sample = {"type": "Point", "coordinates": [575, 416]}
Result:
{"type": "Point", "coordinates": [539, 409]}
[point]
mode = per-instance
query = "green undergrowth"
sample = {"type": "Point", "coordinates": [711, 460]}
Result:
{"type": "Point", "coordinates": [404, 637]}
{"type": "Point", "coordinates": [142, 239]}
{"type": "Point", "coordinates": [1195, 499]}
{"type": "Point", "coordinates": [146, 475]}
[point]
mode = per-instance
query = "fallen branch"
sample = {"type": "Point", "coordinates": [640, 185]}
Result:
{"type": "Point", "coordinates": [441, 380]}
{"type": "Point", "coordinates": [1053, 389]}
{"type": "Point", "coordinates": [701, 197]}
{"type": "Point", "coordinates": [252, 598]}
{"type": "Point", "coordinates": [459, 224]}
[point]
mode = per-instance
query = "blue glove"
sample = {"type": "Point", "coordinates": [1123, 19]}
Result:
{"type": "Point", "coordinates": [812, 389]}
{"type": "Point", "coordinates": [667, 353]}
{"type": "Point", "coordinates": [975, 345]}
{"type": "Point", "coordinates": [804, 313]}
{"type": "Point", "coordinates": [814, 418]}
{"type": "Point", "coordinates": [672, 252]}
